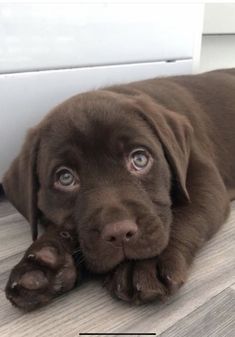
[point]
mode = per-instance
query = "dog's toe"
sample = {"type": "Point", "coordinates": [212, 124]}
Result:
{"type": "Point", "coordinates": [136, 282]}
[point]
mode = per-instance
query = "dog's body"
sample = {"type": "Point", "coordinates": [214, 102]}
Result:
{"type": "Point", "coordinates": [138, 175]}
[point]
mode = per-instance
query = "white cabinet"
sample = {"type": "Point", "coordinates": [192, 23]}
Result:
{"type": "Point", "coordinates": [50, 52]}
{"type": "Point", "coordinates": [61, 36]}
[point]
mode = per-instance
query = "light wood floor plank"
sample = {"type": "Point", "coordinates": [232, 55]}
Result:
{"type": "Point", "coordinates": [6, 208]}
{"type": "Point", "coordinates": [216, 318]}
{"type": "Point", "coordinates": [90, 309]}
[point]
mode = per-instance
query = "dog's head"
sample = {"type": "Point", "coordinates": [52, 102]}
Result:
{"type": "Point", "coordinates": [104, 162]}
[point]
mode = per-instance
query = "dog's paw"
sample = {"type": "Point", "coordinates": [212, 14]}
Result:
{"type": "Point", "coordinates": [45, 271]}
{"type": "Point", "coordinates": [147, 280]}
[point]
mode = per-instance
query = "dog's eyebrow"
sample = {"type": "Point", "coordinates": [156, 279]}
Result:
{"type": "Point", "coordinates": [139, 136]}
{"type": "Point", "coordinates": [68, 156]}
{"type": "Point", "coordinates": [137, 141]}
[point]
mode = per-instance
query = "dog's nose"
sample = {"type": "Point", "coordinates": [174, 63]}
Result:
{"type": "Point", "coordinates": [120, 232]}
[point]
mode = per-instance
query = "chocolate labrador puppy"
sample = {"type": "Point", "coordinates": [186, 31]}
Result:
{"type": "Point", "coordinates": [135, 177]}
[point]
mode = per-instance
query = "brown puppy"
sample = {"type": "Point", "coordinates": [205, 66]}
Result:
{"type": "Point", "coordinates": [139, 176]}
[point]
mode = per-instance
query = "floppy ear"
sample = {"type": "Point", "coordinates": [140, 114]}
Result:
{"type": "Point", "coordinates": [20, 182]}
{"type": "Point", "coordinates": [175, 134]}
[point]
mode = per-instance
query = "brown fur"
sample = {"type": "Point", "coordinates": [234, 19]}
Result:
{"type": "Point", "coordinates": [187, 124]}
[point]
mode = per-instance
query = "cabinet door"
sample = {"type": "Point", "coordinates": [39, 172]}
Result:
{"type": "Point", "coordinates": [54, 36]}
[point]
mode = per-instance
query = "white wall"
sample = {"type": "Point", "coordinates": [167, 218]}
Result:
{"type": "Point", "coordinates": [219, 18]}
{"type": "Point", "coordinates": [218, 40]}
{"type": "Point", "coordinates": [217, 52]}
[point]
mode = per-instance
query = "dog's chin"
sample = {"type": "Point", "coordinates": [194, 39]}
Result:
{"type": "Point", "coordinates": [101, 268]}
{"type": "Point", "coordinates": [107, 263]}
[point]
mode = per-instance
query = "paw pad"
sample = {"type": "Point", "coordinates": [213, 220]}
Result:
{"type": "Point", "coordinates": [33, 280]}
{"type": "Point", "coordinates": [46, 255]}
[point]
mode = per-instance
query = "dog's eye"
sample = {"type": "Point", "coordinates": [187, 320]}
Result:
{"type": "Point", "coordinates": [139, 161]}
{"type": "Point", "coordinates": [65, 179]}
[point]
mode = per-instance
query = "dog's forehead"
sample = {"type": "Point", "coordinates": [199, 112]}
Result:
{"type": "Point", "coordinates": [93, 118]}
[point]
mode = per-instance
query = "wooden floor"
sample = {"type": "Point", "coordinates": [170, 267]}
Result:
{"type": "Point", "coordinates": [205, 306]}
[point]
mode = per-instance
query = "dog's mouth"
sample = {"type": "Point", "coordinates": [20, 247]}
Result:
{"type": "Point", "coordinates": [108, 259]}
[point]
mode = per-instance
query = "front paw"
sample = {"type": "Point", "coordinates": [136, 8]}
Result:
{"type": "Point", "coordinates": [45, 271]}
{"type": "Point", "coordinates": [147, 280]}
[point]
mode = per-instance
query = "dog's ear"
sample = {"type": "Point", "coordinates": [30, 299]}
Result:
{"type": "Point", "coordinates": [175, 134]}
{"type": "Point", "coordinates": [20, 182]}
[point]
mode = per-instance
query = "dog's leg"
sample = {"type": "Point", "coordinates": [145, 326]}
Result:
{"type": "Point", "coordinates": [193, 224]}
{"type": "Point", "coordinates": [46, 270]}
